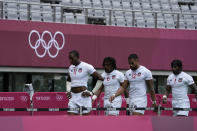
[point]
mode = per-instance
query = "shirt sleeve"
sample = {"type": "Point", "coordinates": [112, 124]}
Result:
{"type": "Point", "coordinates": [168, 81]}
{"type": "Point", "coordinates": [189, 80]}
{"type": "Point", "coordinates": [121, 77]}
{"type": "Point", "coordinates": [125, 77]}
{"type": "Point", "coordinates": [148, 75]}
{"type": "Point", "coordinates": [69, 69]}
{"type": "Point", "coordinates": [90, 69]}
{"type": "Point", "coordinates": [103, 75]}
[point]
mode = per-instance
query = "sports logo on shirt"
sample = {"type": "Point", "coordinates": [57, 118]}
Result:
{"type": "Point", "coordinates": [113, 76]}
{"type": "Point", "coordinates": [75, 71]}
{"type": "Point", "coordinates": [134, 75]}
{"type": "Point", "coordinates": [80, 70]}
{"type": "Point", "coordinates": [108, 78]}
{"type": "Point", "coordinates": [180, 80]}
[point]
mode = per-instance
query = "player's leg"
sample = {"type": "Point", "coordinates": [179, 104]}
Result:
{"type": "Point", "coordinates": [87, 103]}
{"type": "Point", "coordinates": [115, 104]}
{"type": "Point", "coordinates": [107, 104]}
{"type": "Point", "coordinates": [73, 104]}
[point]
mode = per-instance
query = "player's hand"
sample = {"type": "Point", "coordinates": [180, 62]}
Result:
{"type": "Point", "coordinates": [111, 98]}
{"type": "Point", "coordinates": [164, 99]}
{"type": "Point", "coordinates": [86, 94]}
{"type": "Point", "coordinates": [68, 94]}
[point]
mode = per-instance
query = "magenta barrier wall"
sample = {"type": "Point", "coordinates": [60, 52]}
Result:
{"type": "Point", "coordinates": [98, 123]}
{"type": "Point", "coordinates": [14, 100]}
{"type": "Point", "coordinates": [50, 100]}
{"type": "Point", "coordinates": [87, 123]}
{"type": "Point", "coordinates": [149, 104]}
{"type": "Point", "coordinates": [155, 47]}
{"type": "Point", "coordinates": [193, 104]}
{"type": "Point", "coordinates": [11, 124]}
{"type": "Point", "coordinates": [194, 122]}
{"type": "Point", "coordinates": [59, 100]}
{"type": "Point", "coordinates": [165, 123]}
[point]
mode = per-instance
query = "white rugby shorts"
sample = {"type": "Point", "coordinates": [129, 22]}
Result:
{"type": "Point", "coordinates": [180, 104]}
{"type": "Point", "coordinates": [116, 103]}
{"type": "Point", "coordinates": [138, 102]}
{"type": "Point", "coordinates": [77, 100]}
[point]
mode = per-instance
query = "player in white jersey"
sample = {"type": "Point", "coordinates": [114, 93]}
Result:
{"type": "Point", "coordinates": [79, 73]}
{"type": "Point", "coordinates": [178, 83]}
{"type": "Point", "coordinates": [113, 79]}
{"type": "Point", "coordinates": [138, 78]}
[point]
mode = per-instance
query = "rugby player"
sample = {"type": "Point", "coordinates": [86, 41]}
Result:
{"type": "Point", "coordinates": [79, 73]}
{"type": "Point", "coordinates": [178, 82]}
{"type": "Point", "coordinates": [138, 78]}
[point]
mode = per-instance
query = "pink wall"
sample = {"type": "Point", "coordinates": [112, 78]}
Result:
{"type": "Point", "coordinates": [98, 123]}
{"type": "Point", "coordinates": [155, 47]}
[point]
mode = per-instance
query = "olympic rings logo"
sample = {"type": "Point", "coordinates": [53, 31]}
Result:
{"type": "Point", "coordinates": [59, 97]}
{"type": "Point", "coordinates": [47, 46]}
{"type": "Point", "coordinates": [23, 98]}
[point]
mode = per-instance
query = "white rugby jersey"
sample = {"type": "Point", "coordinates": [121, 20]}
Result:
{"type": "Point", "coordinates": [112, 82]}
{"type": "Point", "coordinates": [179, 84]}
{"type": "Point", "coordinates": [137, 81]}
{"type": "Point", "coordinates": [79, 74]}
